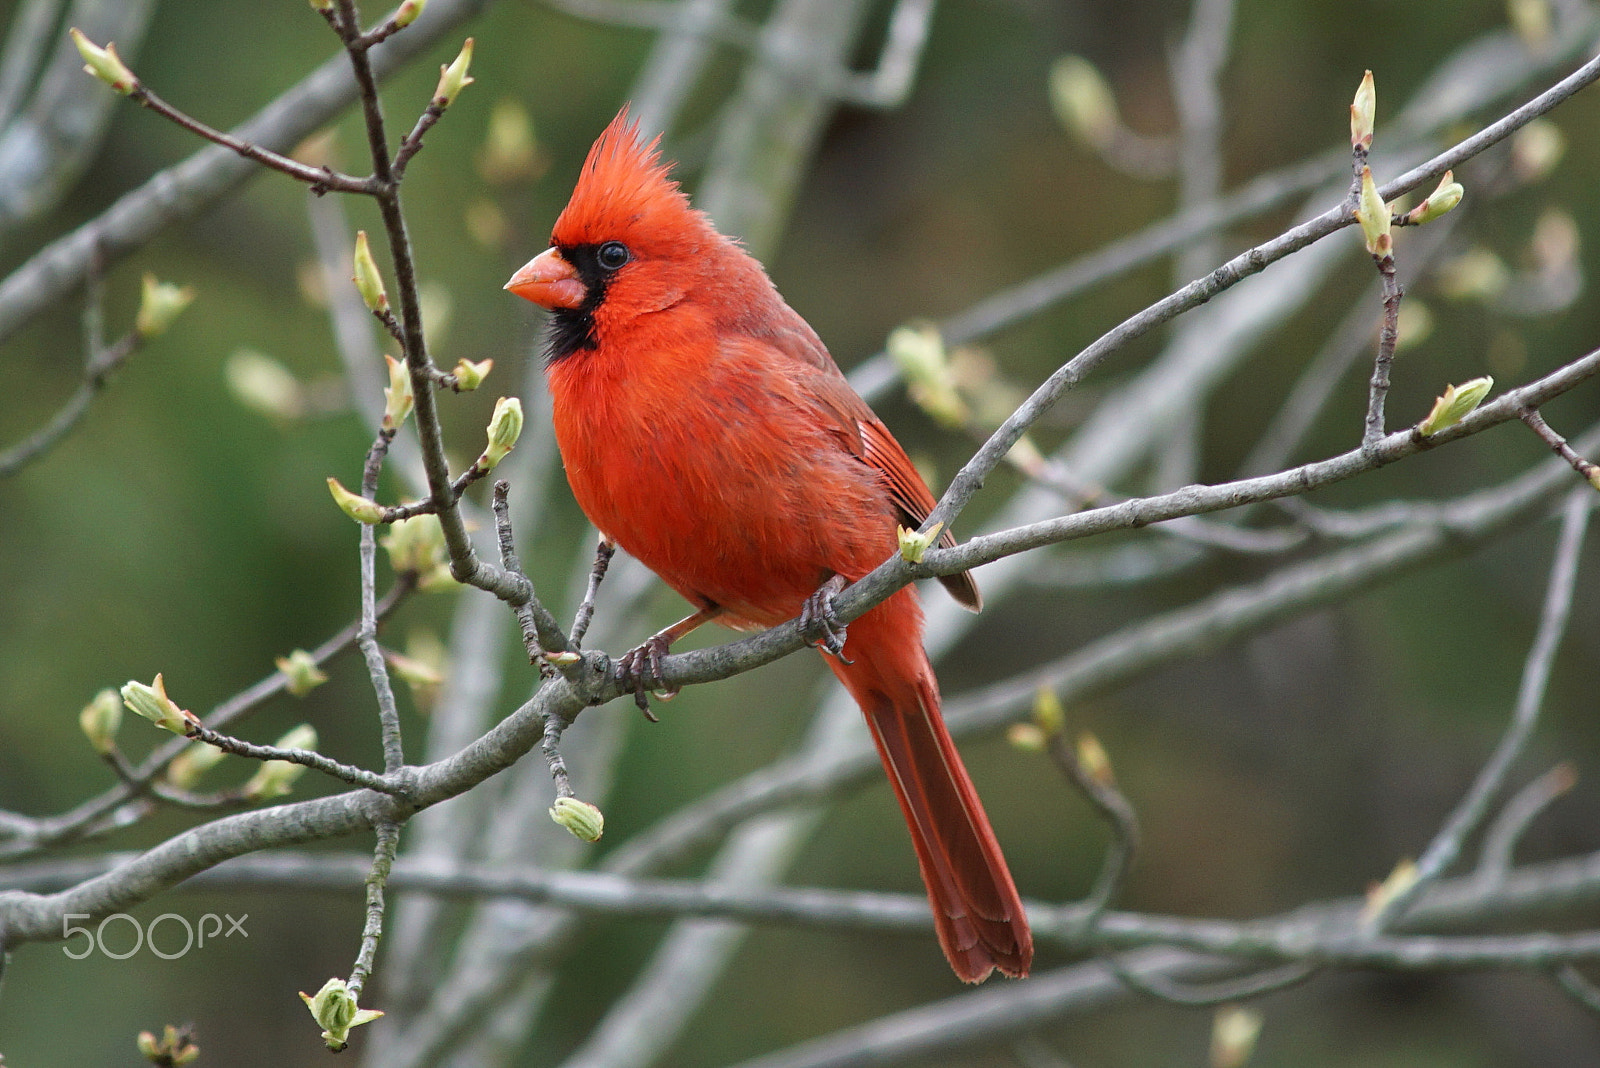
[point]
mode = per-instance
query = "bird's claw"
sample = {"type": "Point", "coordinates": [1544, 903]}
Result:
{"type": "Point", "coordinates": [639, 670]}
{"type": "Point", "coordinates": [821, 623]}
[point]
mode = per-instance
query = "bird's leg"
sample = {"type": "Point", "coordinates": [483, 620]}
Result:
{"type": "Point", "coordinates": [640, 669]}
{"type": "Point", "coordinates": [820, 622]}
{"type": "Point", "coordinates": [602, 560]}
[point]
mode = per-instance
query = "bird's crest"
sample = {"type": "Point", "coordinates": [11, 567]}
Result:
{"type": "Point", "coordinates": [624, 186]}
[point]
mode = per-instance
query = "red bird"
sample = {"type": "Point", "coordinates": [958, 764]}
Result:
{"type": "Point", "coordinates": [706, 431]}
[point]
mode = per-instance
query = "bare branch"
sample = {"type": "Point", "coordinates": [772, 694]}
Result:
{"type": "Point", "coordinates": [100, 813]}
{"type": "Point", "coordinates": [188, 188]}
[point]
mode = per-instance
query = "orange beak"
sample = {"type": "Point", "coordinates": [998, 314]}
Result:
{"type": "Point", "coordinates": [549, 281]}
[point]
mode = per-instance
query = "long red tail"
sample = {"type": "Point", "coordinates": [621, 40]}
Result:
{"type": "Point", "coordinates": [975, 905]}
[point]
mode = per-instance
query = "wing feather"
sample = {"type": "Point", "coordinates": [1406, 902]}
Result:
{"type": "Point", "coordinates": [865, 436]}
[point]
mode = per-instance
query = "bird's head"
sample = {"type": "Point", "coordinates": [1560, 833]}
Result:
{"type": "Point", "coordinates": [627, 244]}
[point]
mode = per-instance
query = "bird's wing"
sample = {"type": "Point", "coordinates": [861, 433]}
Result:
{"type": "Point", "coordinates": [864, 434]}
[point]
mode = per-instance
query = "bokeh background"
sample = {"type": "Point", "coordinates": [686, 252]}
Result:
{"type": "Point", "coordinates": [180, 530]}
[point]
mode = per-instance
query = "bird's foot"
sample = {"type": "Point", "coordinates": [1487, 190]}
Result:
{"type": "Point", "coordinates": [639, 670]}
{"type": "Point", "coordinates": [821, 623]}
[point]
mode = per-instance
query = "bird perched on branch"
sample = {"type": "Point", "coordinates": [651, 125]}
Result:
{"type": "Point", "coordinates": [706, 431]}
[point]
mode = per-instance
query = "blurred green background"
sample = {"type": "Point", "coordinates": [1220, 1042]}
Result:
{"type": "Point", "coordinates": [180, 531]}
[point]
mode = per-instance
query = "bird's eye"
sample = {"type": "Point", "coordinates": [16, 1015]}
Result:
{"type": "Point", "coordinates": [612, 255]}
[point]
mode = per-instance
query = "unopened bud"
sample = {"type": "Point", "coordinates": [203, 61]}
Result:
{"type": "Point", "coordinates": [1374, 216]}
{"type": "Point", "coordinates": [423, 668]}
{"type": "Point", "coordinates": [408, 12]}
{"type": "Point", "coordinates": [361, 509]}
{"type": "Point", "coordinates": [415, 673]}
{"type": "Point", "coordinates": [505, 426]}
{"type": "Point", "coordinates": [1093, 760]}
{"type": "Point", "coordinates": [1083, 102]}
{"type": "Point", "coordinates": [1536, 149]}
{"type": "Point", "coordinates": [1363, 113]}
{"type": "Point", "coordinates": [510, 149]}
{"type": "Point", "coordinates": [1026, 457]}
{"type": "Point", "coordinates": [159, 304]}
{"type": "Point", "coordinates": [334, 1009]}
{"type": "Point", "coordinates": [1233, 1036]}
{"type": "Point", "coordinates": [914, 546]}
{"type": "Point", "coordinates": [1048, 715]}
{"type": "Point", "coordinates": [581, 818]}
{"type": "Point", "coordinates": [1531, 20]}
{"type": "Point", "coordinates": [1026, 737]}
{"type": "Point", "coordinates": [301, 672]}
{"type": "Point", "coordinates": [1439, 202]}
{"type": "Point", "coordinates": [100, 720]}
{"type": "Point", "coordinates": [438, 579]}
{"type": "Point", "coordinates": [151, 702]}
{"type": "Point", "coordinates": [415, 545]}
{"type": "Point", "coordinates": [174, 1049]}
{"type": "Point", "coordinates": [565, 658]}
{"type": "Point", "coordinates": [258, 381]}
{"type": "Point", "coordinates": [469, 376]}
{"type": "Point", "coordinates": [398, 397]}
{"type": "Point", "coordinates": [1476, 274]}
{"type": "Point", "coordinates": [1416, 323]}
{"type": "Point", "coordinates": [918, 350]}
{"type": "Point", "coordinates": [277, 777]}
{"type": "Point", "coordinates": [1455, 404]}
{"type": "Point", "coordinates": [1555, 243]}
{"type": "Point", "coordinates": [321, 5]}
{"type": "Point", "coordinates": [187, 767]}
{"type": "Point", "coordinates": [369, 282]}
{"type": "Point", "coordinates": [104, 63]}
{"type": "Point", "coordinates": [1380, 895]}
{"type": "Point", "coordinates": [454, 78]}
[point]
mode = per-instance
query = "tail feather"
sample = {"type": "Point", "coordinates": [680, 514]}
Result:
{"type": "Point", "coordinates": [976, 909]}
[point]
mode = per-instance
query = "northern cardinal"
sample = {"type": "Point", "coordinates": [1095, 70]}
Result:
{"type": "Point", "coordinates": [706, 431]}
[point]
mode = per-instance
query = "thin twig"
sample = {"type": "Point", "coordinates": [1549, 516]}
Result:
{"type": "Point", "coordinates": [1474, 807]}
{"type": "Point", "coordinates": [195, 184]}
{"type": "Point", "coordinates": [554, 726]}
{"type": "Point", "coordinates": [1558, 445]}
{"type": "Point", "coordinates": [603, 552]}
{"type": "Point", "coordinates": [429, 505]}
{"type": "Point", "coordinates": [99, 362]}
{"type": "Point", "coordinates": [1196, 64]}
{"type": "Point", "coordinates": [321, 179]}
{"type": "Point", "coordinates": [346, 773]}
{"type": "Point", "coordinates": [1388, 337]}
{"type": "Point", "coordinates": [1219, 993]}
{"type": "Point", "coordinates": [48, 436]}
{"type": "Point", "coordinates": [890, 83]}
{"type": "Point", "coordinates": [541, 633]}
{"type": "Point", "coordinates": [372, 930]}
{"type": "Point", "coordinates": [1578, 987]}
{"type": "Point", "coordinates": [367, 637]}
{"type": "Point", "coordinates": [1112, 804]}
{"type": "Point", "coordinates": [1501, 838]}
{"type": "Point", "coordinates": [412, 144]}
